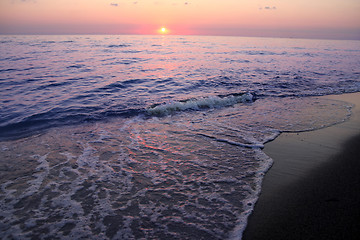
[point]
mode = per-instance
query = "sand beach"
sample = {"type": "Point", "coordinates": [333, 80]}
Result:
{"type": "Point", "coordinates": [312, 189]}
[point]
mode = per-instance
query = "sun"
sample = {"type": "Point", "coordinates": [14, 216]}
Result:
{"type": "Point", "coordinates": [163, 30]}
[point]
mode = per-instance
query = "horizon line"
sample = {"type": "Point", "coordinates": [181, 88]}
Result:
{"type": "Point", "coordinates": [170, 34]}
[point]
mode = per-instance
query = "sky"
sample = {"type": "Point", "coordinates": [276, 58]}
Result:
{"type": "Point", "coordinates": [329, 19]}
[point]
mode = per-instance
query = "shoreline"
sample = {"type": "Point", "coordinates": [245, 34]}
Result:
{"type": "Point", "coordinates": [312, 189]}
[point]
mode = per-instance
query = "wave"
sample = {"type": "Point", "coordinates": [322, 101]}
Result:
{"type": "Point", "coordinates": [230, 142]}
{"type": "Point", "coordinates": [200, 103]}
{"type": "Point", "coordinates": [118, 45]}
{"type": "Point", "coordinates": [57, 117]}
{"type": "Point", "coordinates": [72, 115]}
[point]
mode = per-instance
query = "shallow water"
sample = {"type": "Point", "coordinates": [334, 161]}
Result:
{"type": "Point", "coordinates": [163, 144]}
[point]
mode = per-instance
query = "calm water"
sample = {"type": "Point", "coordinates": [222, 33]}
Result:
{"type": "Point", "coordinates": [130, 137]}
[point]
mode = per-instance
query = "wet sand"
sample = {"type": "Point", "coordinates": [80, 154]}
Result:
{"type": "Point", "coordinates": [313, 189]}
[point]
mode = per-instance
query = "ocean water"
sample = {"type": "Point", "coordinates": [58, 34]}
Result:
{"type": "Point", "coordinates": [153, 137]}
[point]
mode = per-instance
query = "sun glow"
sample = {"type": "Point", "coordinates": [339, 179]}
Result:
{"type": "Point", "coordinates": [163, 30]}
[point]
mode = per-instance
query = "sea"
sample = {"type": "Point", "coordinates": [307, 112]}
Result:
{"type": "Point", "coordinates": [154, 137]}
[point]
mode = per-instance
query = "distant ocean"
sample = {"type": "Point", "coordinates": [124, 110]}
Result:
{"type": "Point", "coordinates": [153, 137]}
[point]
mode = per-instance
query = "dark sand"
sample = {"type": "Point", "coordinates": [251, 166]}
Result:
{"type": "Point", "coordinates": [313, 189]}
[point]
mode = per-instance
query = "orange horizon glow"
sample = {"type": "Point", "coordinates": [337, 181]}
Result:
{"type": "Point", "coordinates": [299, 18]}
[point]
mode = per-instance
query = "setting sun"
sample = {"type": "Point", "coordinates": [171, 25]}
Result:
{"type": "Point", "coordinates": [163, 30]}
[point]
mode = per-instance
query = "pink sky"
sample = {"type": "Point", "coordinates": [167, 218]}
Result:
{"type": "Point", "coordinates": [335, 19]}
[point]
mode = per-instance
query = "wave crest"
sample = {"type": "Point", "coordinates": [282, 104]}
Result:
{"type": "Point", "coordinates": [201, 103]}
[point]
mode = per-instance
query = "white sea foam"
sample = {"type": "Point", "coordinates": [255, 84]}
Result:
{"type": "Point", "coordinates": [42, 172]}
{"type": "Point", "coordinates": [250, 202]}
{"type": "Point", "coordinates": [201, 103]}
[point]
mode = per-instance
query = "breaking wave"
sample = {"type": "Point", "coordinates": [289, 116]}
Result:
{"type": "Point", "coordinates": [201, 103]}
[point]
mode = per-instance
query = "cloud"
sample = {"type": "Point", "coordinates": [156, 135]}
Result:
{"type": "Point", "coordinates": [23, 1]}
{"type": "Point", "coordinates": [268, 8]}
{"type": "Point", "coordinates": [114, 4]}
